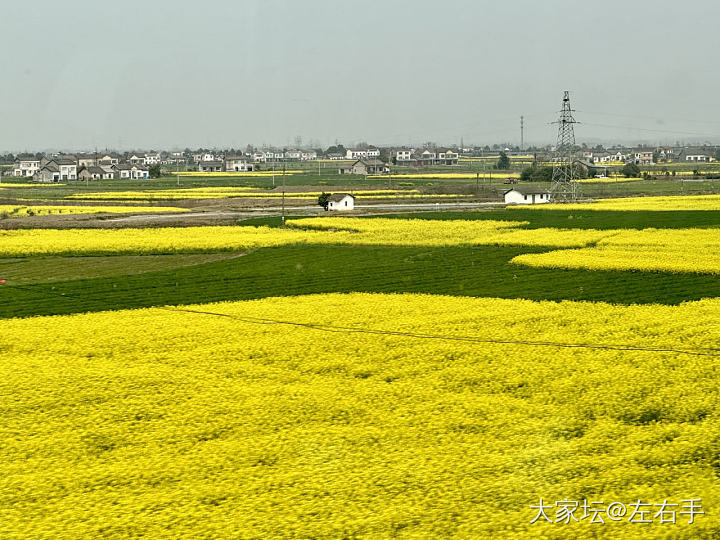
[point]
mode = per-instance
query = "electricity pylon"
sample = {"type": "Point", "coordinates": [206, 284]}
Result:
{"type": "Point", "coordinates": [564, 186]}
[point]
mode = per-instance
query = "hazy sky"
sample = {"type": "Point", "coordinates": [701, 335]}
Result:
{"type": "Point", "coordinates": [158, 74]}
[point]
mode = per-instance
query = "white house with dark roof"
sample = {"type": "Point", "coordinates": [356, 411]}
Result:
{"type": "Point", "coordinates": [696, 154]}
{"type": "Point", "coordinates": [132, 171]}
{"type": "Point", "coordinates": [137, 160]}
{"type": "Point", "coordinates": [526, 195]}
{"type": "Point", "coordinates": [404, 155]}
{"type": "Point", "coordinates": [26, 167]}
{"type": "Point", "coordinates": [642, 157]}
{"type": "Point", "coordinates": [341, 201]}
{"type": "Point", "coordinates": [360, 153]}
{"type": "Point", "coordinates": [427, 156]}
{"type": "Point", "coordinates": [601, 157]}
{"type": "Point", "coordinates": [109, 172]}
{"type": "Point", "coordinates": [365, 166]}
{"type": "Point", "coordinates": [447, 157]}
{"type": "Point", "coordinates": [152, 159]}
{"type": "Point", "coordinates": [49, 172]}
{"type": "Point", "coordinates": [237, 164]}
{"type": "Point", "coordinates": [108, 159]}
{"type": "Point", "coordinates": [210, 166]}
{"type": "Point", "coordinates": [93, 172]}
{"type": "Point", "coordinates": [86, 160]}
{"type": "Point", "coordinates": [57, 169]}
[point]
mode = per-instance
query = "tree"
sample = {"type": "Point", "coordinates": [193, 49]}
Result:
{"type": "Point", "coordinates": [630, 170]}
{"type": "Point", "coordinates": [503, 162]}
{"type": "Point", "coordinates": [536, 174]}
{"type": "Point", "coordinates": [155, 171]}
{"type": "Point", "coordinates": [323, 200]}
{"type": "Point", "coordinates": [336, 149]}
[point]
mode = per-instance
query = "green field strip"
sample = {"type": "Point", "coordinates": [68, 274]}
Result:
{"type": "Point", "coordinates": [25, 270]}
{"type": "Point", "coordinates": [297, 270]}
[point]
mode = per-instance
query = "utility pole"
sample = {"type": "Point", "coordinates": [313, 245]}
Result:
{"type": "Point", "coordinates": [282, 219]}
{"type": "Point", "coordinates": [564, 186]}
{"type": "Point", "coordinates": [522, 134]}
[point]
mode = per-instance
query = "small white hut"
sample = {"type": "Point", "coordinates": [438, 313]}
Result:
{"type": "Point", "coordinates": [341, 201]}
{"type": "Point", "coordinates": [522, 195]}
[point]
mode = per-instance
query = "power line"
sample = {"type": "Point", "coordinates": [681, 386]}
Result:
{"type": "Point", "coordinates": [655, 118]}
{"type": "Point", "coordinates": [698, 351]}
{"type": "Point", "coordinates": [671, 131]}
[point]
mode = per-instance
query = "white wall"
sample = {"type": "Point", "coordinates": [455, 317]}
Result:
{"type": "Point", "coordinates": [515, 197]}
{"type": "Point", "coordinates": [347, 203]}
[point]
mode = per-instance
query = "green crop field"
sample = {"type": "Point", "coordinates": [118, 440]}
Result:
{"type": "Point", "coordinates": [99, 283]}
{"type": "Point", "coordinates": [464, 387]}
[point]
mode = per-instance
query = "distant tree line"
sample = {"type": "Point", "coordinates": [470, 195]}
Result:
{"type": "Point", "coordinates": [537, 173]}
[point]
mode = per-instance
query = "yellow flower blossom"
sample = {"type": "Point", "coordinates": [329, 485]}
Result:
{"type": "Point", "coordinates": [14, 211]}
{"type": "Point", "coordinates": [358, 415]}
{"type": "Point", "coordinates": [659, 203]}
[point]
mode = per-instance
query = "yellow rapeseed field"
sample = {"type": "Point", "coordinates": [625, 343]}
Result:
{"type": "Point", "coordinates": [14, 211]}
{"type": "Point", "coordinates": [661, 203]}
{"type": "Point", "coordinates": [667, 250]}
{"type": "Point", "coordinates": [226, 193]}
{"type": "Point", "coordinates": [448, 176]}
{"type": "Point", "coordinates": [285, 418]}
{"type": "Point", "coordinates": [683, 250]}
{"type": "Point", "coordinates": [21, 185]}
{"type": "Point", "coordinates": [608, 180]}
{"type": "Point", "coordinates": [383, 231]}
{"type": "Point", "coordinates": [494, 158]}
{"type": "Point", "coordinates": [314, 231]}
{"type": "Point", "coordinates": [146, 241]}
{"type": "Point", "coordinates": [184, 193]}
{"type": "Point", "coordinates": [278, 172]}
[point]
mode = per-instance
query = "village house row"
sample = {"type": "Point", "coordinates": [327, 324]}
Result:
{"type": "Point", "coordinates": [644, 156]}
{"type": "Point", "coordinates": [62, 167]}
{"type": "Point", "coordinates": [366, 160]}
{"type": "Point", "coordinates": [57, 168]}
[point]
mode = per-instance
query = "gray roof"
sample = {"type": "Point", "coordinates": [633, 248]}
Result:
{"type": "Point", "coordinates": [128, 166]}
{"type": "Point", "coordinates": [370, 162]}
{"type": "Point", "coordinates": [211, 163]}
{"type": "Point", "coordinates": [337, 197]}
{"type": "Point", "coordinates": [698, 151]}
{"type": "Point", "coordinates": [527, 190]}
